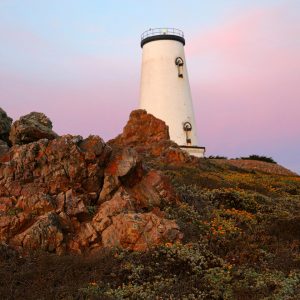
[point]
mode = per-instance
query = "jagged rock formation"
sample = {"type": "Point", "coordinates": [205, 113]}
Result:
{"type": "Point", "coordinates": [31, 128]}
{"type": "Point", "coordinates": [3, 147]}
{"type": "Point", "coordinates": [150, 136]}
{"type": "Point", "coordinates": [69, 194]}
{"type": "Point", "coordinates": [5, 125]}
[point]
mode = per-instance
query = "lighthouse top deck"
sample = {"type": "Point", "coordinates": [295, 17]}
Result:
{"type": "Point", "coordinates": [154, 34]}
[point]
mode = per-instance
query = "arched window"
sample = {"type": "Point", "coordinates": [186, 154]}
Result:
{"type": "Point", "coordinates": [187, 127]}
{"type": "Point", "coordinates": [179, 63]}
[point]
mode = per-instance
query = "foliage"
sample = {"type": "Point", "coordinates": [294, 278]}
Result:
{"type": "Point", "coordinates": [261, 158]}
{"type": "Point", "coordinates": [217, 157]}
{"type": "Point", "coordinates": [241, 241]}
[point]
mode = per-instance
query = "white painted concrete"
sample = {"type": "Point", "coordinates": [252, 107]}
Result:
{"type": "Point", "coordinates": [164, 94]}
{"type": "Point", "coordinates": [198, 152]}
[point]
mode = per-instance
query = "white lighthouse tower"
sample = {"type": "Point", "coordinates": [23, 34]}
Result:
{"type": "Point", "coordinates": [165, 89]}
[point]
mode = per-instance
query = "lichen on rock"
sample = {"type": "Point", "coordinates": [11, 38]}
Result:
{"type": "Point", "coordinates": [30, 128]}
{"type": "Point", "coordinates": [69, 194]}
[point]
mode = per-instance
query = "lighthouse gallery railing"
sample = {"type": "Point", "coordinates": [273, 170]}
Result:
{"type": "Point", "coordinates": [161, 31]}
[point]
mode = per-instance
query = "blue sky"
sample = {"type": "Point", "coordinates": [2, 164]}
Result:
{"type": "Point", "coordinates": [79, 62]}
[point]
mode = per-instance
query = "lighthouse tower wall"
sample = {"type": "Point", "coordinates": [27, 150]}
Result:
{"type": "Point", "coordinates": [165, 90]}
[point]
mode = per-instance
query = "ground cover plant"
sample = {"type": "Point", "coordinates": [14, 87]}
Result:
{"type": "Point", "coordinates": [241, 241]}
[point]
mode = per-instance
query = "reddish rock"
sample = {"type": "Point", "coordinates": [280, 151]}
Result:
{"type": "Point", "coordinates": [142, 128]}
{"type": "Point", "coordinates": [6, 203]}
{"type": "Point", "coordinates": [78, 195]}
{"type": "Point", "coordinates": [120, 202]}
{"type": "Point", "coordinates": [85, 237]}
{"type": "Point", "coordinates": [37, 204]}
{"type": "Point", "coordinates": [152, 190]}
{"type": "Point", "coordinates": [94, 147]}
{"type": "Point", "coordinates": [110, 185]}
{"type": "Point", "coordinates": [45, 234]}
{"type": "Point", "coordinates": [150, 136]}
{"type": "Point", "coordinates": [177, 155]}
{"type": "Point", "coordinates": [74, 204]}
{"type": "Point", "coordinates": [122, 162]}
{"type": "Point", "coordinates": [31, 128]}
{"type": "Point", "coordinates": [139, 232]}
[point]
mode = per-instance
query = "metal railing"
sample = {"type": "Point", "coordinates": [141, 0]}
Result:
{"type": "Point", "coordinates": [161, 31]}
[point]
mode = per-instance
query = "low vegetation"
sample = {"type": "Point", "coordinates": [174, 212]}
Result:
{"type": "Point", "coordinates": [261, 158]}
{"type": "Point", "coordinates": [241, 241]}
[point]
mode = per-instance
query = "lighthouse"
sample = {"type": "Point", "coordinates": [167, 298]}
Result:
{"type": "Point", "coordinates": [165, 89]}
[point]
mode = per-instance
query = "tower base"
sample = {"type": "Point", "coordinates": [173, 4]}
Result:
{"type": "Point", "coordinates": [194, 150]}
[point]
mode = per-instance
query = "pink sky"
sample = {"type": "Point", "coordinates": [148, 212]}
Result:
{"type": "Point", "coordinates": [246, 85]}
{"type": "Point", "coordinates": [243, 69]}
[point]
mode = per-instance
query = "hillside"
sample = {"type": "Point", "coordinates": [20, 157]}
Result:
{"type": "Point", "coordinates": [138, 218]}
{"type": "Point", "coordinates": [256, 165]}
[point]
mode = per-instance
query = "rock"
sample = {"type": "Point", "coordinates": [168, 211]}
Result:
{"type": "Point", "coordinates": [3, 148]}
{"type": "Point", "coordinates": [150, 136]}
{"type": "Point", "coordinates": [120, 202]}
{"type": "Point", "coordinates": [142, 129]}
{"type": "Point", "coordinates": [78, 195]}
{"type": "Point", "coordinates": [94, 147]}
{"type": "Point", "coordinates": [45, 234]}
{"type": "Point", "coordinates": [52, 167]}
{"type": "Point", "coordinates": [139, 232]}
{"type": "Point", "coordinates": [176, 155]}
{"type": "Point", "coordinates": [111, 183]}
{"type": "Point", "coordinates": [122, 162]}
{"type": "Point", "coordinates": [152, 190]}
{"type": "Point", "coordinates": [5, 125]}
{"type": "Point", "coordinates": [85, 237]}
{"type": "Point", "coordinates": [31, 128]}
{"type": "Point", "coordinates": [74, 205]}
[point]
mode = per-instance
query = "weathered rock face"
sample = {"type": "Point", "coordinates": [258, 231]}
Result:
{"type": "Point", "coordinates": [142, 129]}
{"type": "Point", "coordinates": [150, 136]}
{"type": "Point", "coordinates": [71, 194]}
{"type": "Point", "coordinates": [31, 128]}
{"type": "Point", "coordinates": [3, 147]}
{"type": "Point", "coordinates": [5, 124]}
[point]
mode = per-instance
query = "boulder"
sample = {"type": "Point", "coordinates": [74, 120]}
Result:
{"type": "Point", "coordinates": [31, 128]}
{"type": "Point", "coordinates": [123, 163]}
{"type": "Point", "coordinates": [78, 195]}
{"type": "Point", "coordinates": [45, 234]}
{"type": "Point", "coordinates": [153, 190]}
{"type": "Point", "coordinates": [150, 137]}
{"type": "Point", "coordinates": [139, 232]}
{"type": "Point", "coordinates": [142, 129]}
{"type": "Point", "coordinates": [5, 125]}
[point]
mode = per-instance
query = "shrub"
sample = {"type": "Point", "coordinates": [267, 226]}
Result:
{"type": "Point", "coordinates": [261, 158]}
{"type": "Point", "coordinates": [217, 157]}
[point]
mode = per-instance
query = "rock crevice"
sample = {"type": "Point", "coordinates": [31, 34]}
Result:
{"type": "Point", "coordinates": [69, 194]}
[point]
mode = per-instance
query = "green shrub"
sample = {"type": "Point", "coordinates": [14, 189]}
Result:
{"type": "Point", "coordinates": [260, 157]}
{"type": "Point", "coordinates": [217, 157]}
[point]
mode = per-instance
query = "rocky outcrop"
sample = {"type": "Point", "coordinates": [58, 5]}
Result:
{"type": "Point", "coordinates": [150, 136]}
{"type": "Point", "coordinates": [31, 128]}
{"type": "Point", "coordinates": [142, 129]}
{"type": "Point", "coordinates": [5, 125]}
{"type": "Point", "coordinates": [3, 147]}
{"type": "Point", "coordinates": [69, 194]}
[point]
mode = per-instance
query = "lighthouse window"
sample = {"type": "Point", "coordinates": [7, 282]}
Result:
{"type": "Point", "coordinates": [187, 127]}
{"type": "Point", "coordinates": [179, 63]}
